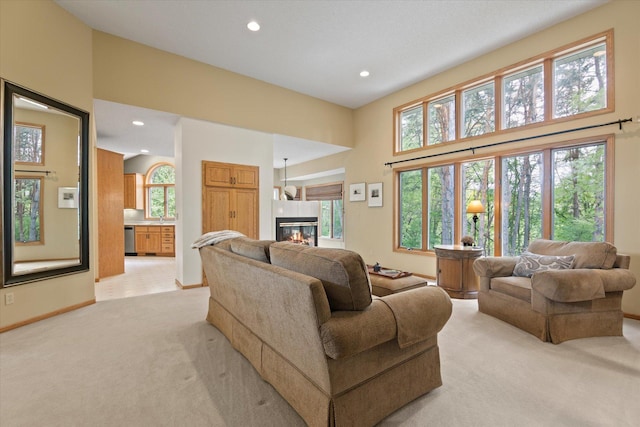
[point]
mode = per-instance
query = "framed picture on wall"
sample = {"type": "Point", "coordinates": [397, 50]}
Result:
{"type": "Point", "coordinates": [375, 194]}
{"type": "Point", "coordinates": [67, 197]}
{"type": "Point", "coordinates": [357, 192]}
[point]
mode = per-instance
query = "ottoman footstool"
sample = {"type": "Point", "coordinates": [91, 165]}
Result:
{"type": "Point", "coordinates": [381, 286]}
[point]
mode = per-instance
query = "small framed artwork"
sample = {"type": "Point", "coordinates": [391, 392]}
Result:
{"type": "Point", "coordinates": [67, 197]}
{"type": "Point", "coordinates": [375, 194]}
{"type": "Point", "coordinates": [357, 192]}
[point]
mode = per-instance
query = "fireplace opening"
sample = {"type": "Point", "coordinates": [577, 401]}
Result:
{"type": "Point", "coordinates": [299, 230]}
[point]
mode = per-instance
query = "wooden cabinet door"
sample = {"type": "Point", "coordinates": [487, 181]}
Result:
{"type": "Point", "coordinates": [245, 212]}
{"type": "Point", "coordinates": [245, 176]}
{"type": "Point", "coordinates": [229, 175]}
{"type": "Point", "coordinates": [450, 273]}
{"type": "Point", "coordinates": [217, 174]}
{"type": "Point", "coordinates": [141, 239]}
{"type": "Point", "coordinates": [154, 239]}
{"type": "Point", "coordinates": [216, 209]}
{"type": "Point", "coordinates": [133, 191]}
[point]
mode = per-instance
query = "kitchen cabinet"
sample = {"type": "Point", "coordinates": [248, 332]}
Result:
{"type": "Point", "coordinates": [133, 191]}
{"type": "Point", "coordinates": [168, 239]}
{"type": "Point", "coordinates": [230, 175]}
{"type": "Point", "coordinates": [230, 198]}
{"type": "Point", "coordinates": [231, 209]}
{"type": "Point", "coordinates": [155, 239]}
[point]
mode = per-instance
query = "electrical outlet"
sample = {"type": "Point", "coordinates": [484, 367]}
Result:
{"type": "Point", "coordinates": [8, 298]}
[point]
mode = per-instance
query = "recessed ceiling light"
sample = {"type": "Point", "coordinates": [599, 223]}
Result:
{"type": "Point", "coordinates": [138, 123]}
{"type": "Point", "coordinates": [253, 26]}
{"type": "Point", "coordinates": [364, 73]}
{"type": "Point", "coordinates": [144, 150]}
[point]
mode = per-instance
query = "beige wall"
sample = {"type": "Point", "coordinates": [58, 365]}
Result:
{"type": "Point", "coordinates": [131, 73]}
{"type": "Point", "coordinates": [52, 55]}
{"type": "Point", "coordinates": [373, 146]}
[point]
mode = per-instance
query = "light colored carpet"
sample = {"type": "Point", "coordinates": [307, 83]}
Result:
{"type": "Point", "coordinates": [154, 361]}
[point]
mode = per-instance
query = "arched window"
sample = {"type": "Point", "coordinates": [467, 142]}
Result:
{"type": "Point", "coordinates": [161, 191]}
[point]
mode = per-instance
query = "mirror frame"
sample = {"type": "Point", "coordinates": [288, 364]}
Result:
{"type": "Point", "coordinates": [9, 278]}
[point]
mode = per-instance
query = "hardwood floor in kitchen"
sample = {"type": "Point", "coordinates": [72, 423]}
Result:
{"type": "Point", "coordinates": [143, 275]}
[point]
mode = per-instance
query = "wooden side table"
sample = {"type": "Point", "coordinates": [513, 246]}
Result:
{"type": "Point", "coordinates": [455, 270]}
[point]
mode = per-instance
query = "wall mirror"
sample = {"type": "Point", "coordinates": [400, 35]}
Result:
{"type": "Point", "coordinates": [45, 159]}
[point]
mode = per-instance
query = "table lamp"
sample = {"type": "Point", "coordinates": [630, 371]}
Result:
{"type": "Point", "coordinates": [475, 207]}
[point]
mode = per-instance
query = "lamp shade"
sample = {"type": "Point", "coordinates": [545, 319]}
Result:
{"type": "Point", "coordinates": [290, 191]}
{"type": "Point", "coordinates": [475, 207]}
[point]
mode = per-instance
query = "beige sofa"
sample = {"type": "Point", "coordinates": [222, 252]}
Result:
{"type": "Point", "coordinates": [583, 300]}
{"type": "Point", "coordinates": [306, 320]}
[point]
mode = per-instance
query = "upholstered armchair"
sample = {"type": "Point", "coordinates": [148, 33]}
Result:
{"type": "Point", "coordinates": [557, 291]}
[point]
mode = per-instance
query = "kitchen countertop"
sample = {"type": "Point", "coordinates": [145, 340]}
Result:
{"type": "Point", "coordinates": [134, 223]}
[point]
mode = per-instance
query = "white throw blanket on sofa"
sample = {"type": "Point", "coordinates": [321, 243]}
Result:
{"type": "Point", "coordinates": [213, 237]}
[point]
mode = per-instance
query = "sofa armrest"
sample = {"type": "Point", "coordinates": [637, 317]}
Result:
{"type": "Point", "coordinates": [495, 266]}
{"type": "Point", "coordinates": [411, 316]}
{"type": "Point", "coordinates": [350, 332]}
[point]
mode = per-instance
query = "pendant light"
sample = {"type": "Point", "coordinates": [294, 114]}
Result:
{"type": "Point", "coordinates": [290, 191]}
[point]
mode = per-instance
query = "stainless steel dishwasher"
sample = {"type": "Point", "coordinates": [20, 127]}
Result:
{"type": "Point", "coordinates": [129, 240]}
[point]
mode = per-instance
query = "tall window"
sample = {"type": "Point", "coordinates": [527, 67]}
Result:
{"type": "Point", "coordinates": [331, 218]}
{"type": "Point", "coordinates": [554, 192]}
{"type": "Point", "coordinates": [161, 193]}
{"type": "Point", "coordinates": [579, 193]}
{"type": "Point", "coordinates": [27, 212]}
{"type": "Point", "coordinates": [521, 202]}
{"type": "Point", "coordinates": [478, 179]}
{"type": "Point", "coordinates": [411, 209]}
{"type": "Point", "coordinates": [440, 199]}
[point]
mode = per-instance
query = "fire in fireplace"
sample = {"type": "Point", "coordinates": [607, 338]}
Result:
{"type": "Point", "coordinates": [300, 230]}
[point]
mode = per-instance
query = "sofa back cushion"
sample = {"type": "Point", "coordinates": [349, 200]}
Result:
{"type": "Point", "coordinates": [587, 254]}
{"type": "Point", "coordinates": [250, 248]}
{"type": "Point", "coordinates": [343, 273]}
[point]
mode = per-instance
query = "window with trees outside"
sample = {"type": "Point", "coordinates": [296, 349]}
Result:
{"type": "Point", "coordinates": [555, 191]}
{"type": "Point", "coordinates": [331, 216]}
{"type": "Point", "coordinates": [569, 82]}
{"type": "Point", "coordinates": [28, 210]}
{"type": "Point", "coordinates": [161, 191]}
{"type": "Point", "coordinates": [29, 144]}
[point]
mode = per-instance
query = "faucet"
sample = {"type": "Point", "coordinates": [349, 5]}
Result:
{"type": "Point", "coordinates": [161, 219]}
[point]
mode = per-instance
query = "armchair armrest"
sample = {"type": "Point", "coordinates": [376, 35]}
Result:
{"type": "Point", "coordinates": [616, 279]}
{"type": "Point", "coordinates": [495, 266]}
{"type": "Point", "coordinates": [581, 284]}
{"type": "Point", "coordinates": [568, 285]}
{"type": "Point", "coordinates": [411, 316]}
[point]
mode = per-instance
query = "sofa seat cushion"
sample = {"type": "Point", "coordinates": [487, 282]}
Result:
{"type": "Point", "coordinates": [517, 287]}
{"type": "Point", "coordinates": [250, 248]}
{"type": "Point", "coordinates": [343, 273]}
{"type": "Point", "coordinates": [587, 254]}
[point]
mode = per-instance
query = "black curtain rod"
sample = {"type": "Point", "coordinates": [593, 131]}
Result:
{"type": "Point", "coordinates": [33, 171]}
{"type": "Point", "coordinates": [618, 122]}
